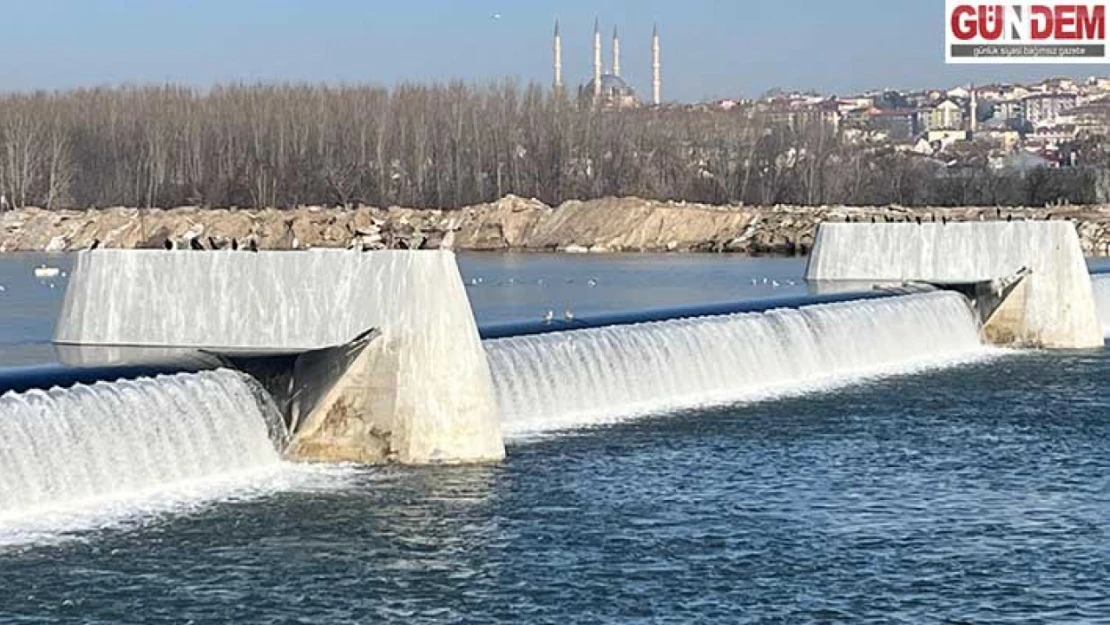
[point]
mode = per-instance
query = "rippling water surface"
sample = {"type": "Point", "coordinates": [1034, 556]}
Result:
{"type": "Point", "coordinates": [979, 493]}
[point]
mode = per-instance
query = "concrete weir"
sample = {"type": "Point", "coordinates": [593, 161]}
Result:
{"type": "Point", "coordinates": [374, 356]}
{"type": "Point", "coordinates": [1037, 268]}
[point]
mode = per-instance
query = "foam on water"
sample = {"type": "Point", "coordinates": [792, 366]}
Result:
{"type": "Point", "coordinates": [572, 379]}
{"type": "Point", "coordinates": [89, 456]}
{"type": "Point", "coordinates": [1101, 285]}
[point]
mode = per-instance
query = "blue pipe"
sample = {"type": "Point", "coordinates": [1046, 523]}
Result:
{"type": "Point", "coordinates": [532, 328]}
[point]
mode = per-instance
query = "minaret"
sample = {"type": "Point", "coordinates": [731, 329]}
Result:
{"type": "Point", "coordinates": [973, 121]}
{"type": "Point", "coordinates": [616, 53]}
{"type": "Point", "coordinates": [656, 69]}
{"type": "Point", "coordinates": [557, 50]}
{"type": "Point", "coordinates": [597, 60]}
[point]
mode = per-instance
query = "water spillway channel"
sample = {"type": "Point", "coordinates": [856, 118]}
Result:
{"type": "Point", "coordinates": [570, 379]}
{"type": "Point", "coordinates": [69, 447]}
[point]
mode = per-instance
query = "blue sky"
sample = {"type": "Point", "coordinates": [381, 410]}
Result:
{"type": "Point", "coordinates": [711, 48]}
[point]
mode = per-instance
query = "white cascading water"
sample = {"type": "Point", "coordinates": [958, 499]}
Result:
{"type": "Point", "coordinates": [75, 446]}
{"type": "Point", "coordinates": [1101, 285]}
{"type": "Point", "coordinates": [571, 379]}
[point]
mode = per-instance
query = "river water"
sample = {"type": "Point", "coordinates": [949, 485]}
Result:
{"type": "Point", "coordinates": [978, 491]}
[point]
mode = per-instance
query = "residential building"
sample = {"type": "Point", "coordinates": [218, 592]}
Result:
{"type": "Point", "coordinates": [900, 125]}
{"type": "Point", "coordinates": [1041, 107]}
{"type": "Point", "coordinates": [946, 116]}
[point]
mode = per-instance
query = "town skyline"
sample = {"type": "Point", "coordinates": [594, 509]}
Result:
{"type": "Point", "coordinates": [709, 51]}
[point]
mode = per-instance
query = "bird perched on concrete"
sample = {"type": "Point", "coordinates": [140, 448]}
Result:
{"type": "Point", "coordinates": [95, 244]}
{"type": "Point", "coordinates": [252, 245]}
{"type": "Point", "coordinates": [234, 245]}
{"type": "Point", "coordinates": [168, 244]}
{"type": "Point", "coordinates": [918, 220]}
{"type": "Point", "coordinates": [194, 243]}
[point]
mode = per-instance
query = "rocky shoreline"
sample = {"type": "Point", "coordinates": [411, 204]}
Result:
{"type": "Point", "coordinates": [512, 223]}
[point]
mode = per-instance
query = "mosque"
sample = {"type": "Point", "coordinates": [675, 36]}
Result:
{"type": "Point", "coordinates": [609, 88]}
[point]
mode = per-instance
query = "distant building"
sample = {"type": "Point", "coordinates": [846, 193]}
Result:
{"type": "Point", "coordinates": [946, 116]}
{"type": "Point", "coordinates": [1040, 107]}
{"type": "Point", "coordinates": [945, 137]}
{"type": "Point", "coordinates": [1010, 111]}
{"type": "Point", "coordinates": [996, 133]}
{"type": "Point", "coordinates": [609, 88]}
{"type": "Point", "coordinates": [900, 125]}
{"type": "Point", "coordinates": [800, 115]}
{"type": "Point", "coordinates": [959, 93]}
{"type": "Point", "coordinates": [613, 92]}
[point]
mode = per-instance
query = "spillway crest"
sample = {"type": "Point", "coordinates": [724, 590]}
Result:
{"type": "Point", "coordinates": [571, 379]}
{"type": "Point", "coordinates": [65, 447]}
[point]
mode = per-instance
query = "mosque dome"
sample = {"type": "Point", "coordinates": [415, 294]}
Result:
{"type": "Point", "coordinates": [613, 88]}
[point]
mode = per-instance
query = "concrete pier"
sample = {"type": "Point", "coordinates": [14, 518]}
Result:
{"type": "Point", "coordinates": [1056, 307]}
{"type": "Point", "coordinates": [417, 391]}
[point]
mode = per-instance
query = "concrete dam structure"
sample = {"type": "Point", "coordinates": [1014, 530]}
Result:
{"type": "Point", "coordinates": [1035, 269]}
{"type": "Point", "coordinates": [373, 357]}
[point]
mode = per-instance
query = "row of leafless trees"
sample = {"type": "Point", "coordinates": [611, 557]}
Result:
{"type": "Point", "coordinates": [441, 146]}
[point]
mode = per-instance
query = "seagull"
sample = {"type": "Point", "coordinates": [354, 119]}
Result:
{"type": "Point", "coordinates": [568, 315]}
{"type": "Point", "coordinates": [549, 317]}
{"type": "Point", "coordinates": [495, 16]}
{"type": "Point", "coordinates": [774, 284]}
{"type": "Point", "coordinates": [592, 282]}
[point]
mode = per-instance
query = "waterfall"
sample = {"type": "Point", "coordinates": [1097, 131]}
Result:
{"type": "Point", "coordinates": [1101, 285]}
{"type": "Point", "coordinates": [570, 379]}
{"type": "Point", "coordinates": [75, 446]}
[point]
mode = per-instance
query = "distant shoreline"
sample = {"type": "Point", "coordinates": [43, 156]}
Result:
{"type": "Point", "coordinates": [609, 225]}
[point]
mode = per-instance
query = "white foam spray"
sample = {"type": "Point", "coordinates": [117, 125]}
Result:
{"type": "Point", "coordinates": [572, 379]}
{"type": "Point", "coordinates": [90, 455]}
